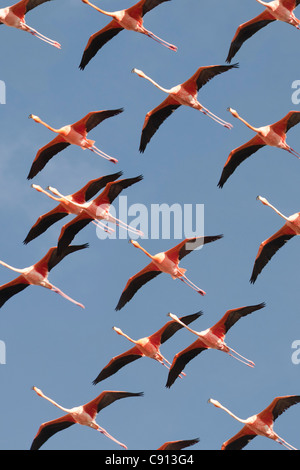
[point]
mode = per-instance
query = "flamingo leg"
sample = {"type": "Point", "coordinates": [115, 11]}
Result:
{"type": "Point", "coordinates": [293, 152]}
{"type": "Point", "coordinates": [159, 40]}
{"type": "Point", "coordinates": [240, 358]}
{"type": "Point", "coordinates": [105, 433]}
{"type": "Point", "coordinates": [167, 364]}
{"type": "Point", "coordinates": [122, 224]}
{"type": "Point", "coordinates": [285, 444]}
{"type": "Point", "coordinates": [103, 226]}
{"type": "Point", "coordinates": [189, 283]}
{"type": "Point", "coordinates": [65, 296]}
{"type": "Point", "coordinates": [102, 154]}
{"type": "Point", "coordinates": [215, 118]}
{"type": "Point", "coordinates": [40, 36]}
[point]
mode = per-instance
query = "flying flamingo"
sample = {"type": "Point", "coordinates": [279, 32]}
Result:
{"type": "Point", "coordinates": [75, 134]}
{"type": "Point", "coordinates": [281, 10]}
{"type": "Point", "coordinates": [213, 338]}
{"type": "Point", "coordinates": [66, 205]}
{"type": "Point", "coordinates": [260, 424]}
{"type": "Point", "coordinates": [166, 262]}
{"type": "Point", "coordinates": [269, 247]}
{"type": "Point", "coordinates": [94, 211]}
{"type": "Point", "coordinates": [183, 94]}
{"type": "Point", "coordinates": [148, 346]}
{"type": "Point", "coordinates": [178, 445]}
{"type": "Point", "coordinates": [84, 414]}
{"type": "Point", "coordinates": [37, 275]}
{"type": "Point", "coordinates": [130, 19]}
{"type": "Point", "coordinates": [14, 16]}
{"type": "Point", "coordinates": [273, 135]}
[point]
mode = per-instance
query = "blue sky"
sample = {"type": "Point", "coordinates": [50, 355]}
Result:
{"type": "Point", "coordinates": [56, 346]}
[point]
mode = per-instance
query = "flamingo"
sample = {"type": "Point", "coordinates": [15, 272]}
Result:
{"type": "Point", "coordinates": [75, 134]}
{"type": "Point", "coordinates": [37, 275]}
{"type": "Point", "coordinates": [84, 414]}
{"type": "Point", "coordinates": [130, 19]}
{"type": "Point", "coordinates": [213, 337]}
{"type": "Point", "coordinates": [14, 16]}
{"type": "Point", "coordinates": [183, 94]}
{"type": "Point", "coordinates": [273, 135]}
{"type": "Point", "coordinates": [66, 205]}
{"type": "Point", "coordinates": [281, 10]}
{"type": "Point", "coordinates": [178, 445]}
{"type": "Point", "coordinates": [166, 262]}
{"type": "Point", "coordinates": [260, 424]}
{"type": "Point", "coordinates": [94, 211]}
{"type": "Point", "coordinates": [148, 346]}
{"type": "Point", "coordinates": [269, 247]}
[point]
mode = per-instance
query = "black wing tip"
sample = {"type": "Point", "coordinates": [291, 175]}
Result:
{"type": "Point", "coordinates": [253, 279]}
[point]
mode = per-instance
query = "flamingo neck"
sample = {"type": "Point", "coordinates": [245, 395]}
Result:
{"type": "Point", "coordinates": [55, 404]}
{"type": "Point", "coordinates": [265, 4]}
{"type": "Point", "coordinates": [255, 129]}
{"type": "Point", "coordinates": [145, 251]}
{"type": "Point", "coordinates": [107, 13]}
{"type": "Point", "coordinates": [244, 421]}
{"type": "Point", "coordinates": [156, 84]}
{"type": "Point", "coordinates": [57, 131]}
{"type": "Point", "coordinates": [117, 330]}
{"type": "Point", "coordinates": [11, 267]}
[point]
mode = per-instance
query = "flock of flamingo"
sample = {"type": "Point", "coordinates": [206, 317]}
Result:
{"type": "Point", "coordinates": [87, 206]}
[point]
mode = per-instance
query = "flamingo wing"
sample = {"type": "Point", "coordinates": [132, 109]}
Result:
{"type": "Point", "coordinates": [50, 428]}
{"type": "Point", "coordinates": [24, 6]}
{"type": "Point", "coordinates": [204, 74]}
{"type": "Point", "coordinates": [246, 30]}
{"type": "Point", "coordinates": [182, 358]}
{"type": "Point", "coordinates": [45, 221]}
{"type": "Point", "coordinates": [232, 316]}
{"type": "Point", "coordinates": [155, 118]}
{"type": "Point", "coordinates": [93, 187]}
{"type": "Point", "coordinates": [70, 230]}
{"type": "Point", "coordinates": [117, 362]}
{"type": "Point", "coordinates": [237, 156]}
{"type": "Point", "coordinates": [57, 257]}
{"type": "Point", "coordinates": [105, 399]}
{"type": "Point", "coordinates": [113, 189]}
{"type": "Point", "coordinates": [178, 445]}
{"type": "Point", "coordinates": [240, 440]}
{"type": "Point", "coordinates": [12, 288]}
{"type": "Point", "coordinates": [290, 4]}
{"type": "Point", "coordinates": [171, 327]}
{"type": "Point", "coordinates": [98, 40]}
{"type": "Point", "coordinates": [268, 248]}
{"type": "Point", "coordinates": [189, 244]}
{"type": "Point", "coordinates": [286, 123]}
{"type": "Point", "coordinates": [45, 154]}
{"type": "Point", "coordinates": [93, 119]}
{"type": "Point", "coordinates": [148, 5]}
{"type": "Point", "coordinates": [136, 282]}
{"type": "Point", "coordinates": [278, 406]}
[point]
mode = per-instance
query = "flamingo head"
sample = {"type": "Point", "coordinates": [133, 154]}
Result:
{"type": "Point", "coordinates": [174, 317]}
{"type": "Point", "coordinates": [35, 118]}
{"type": "Point", "coordinates": [38, 391]}
{"type": "Point", "coordinates": [262, 199]}
{"type": "Point", "coordinates": [233, 112]}
{"type": "Point", "coordinates": [134, 243]}
{"type": "Point", "coordinates": [36, 186]}
{"type": "Point", "coordinates": [214, 402]}
{"type": "Point", "coordinates": [117, 330]}
{"type": "Point", "coordinates": [138, 72]}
